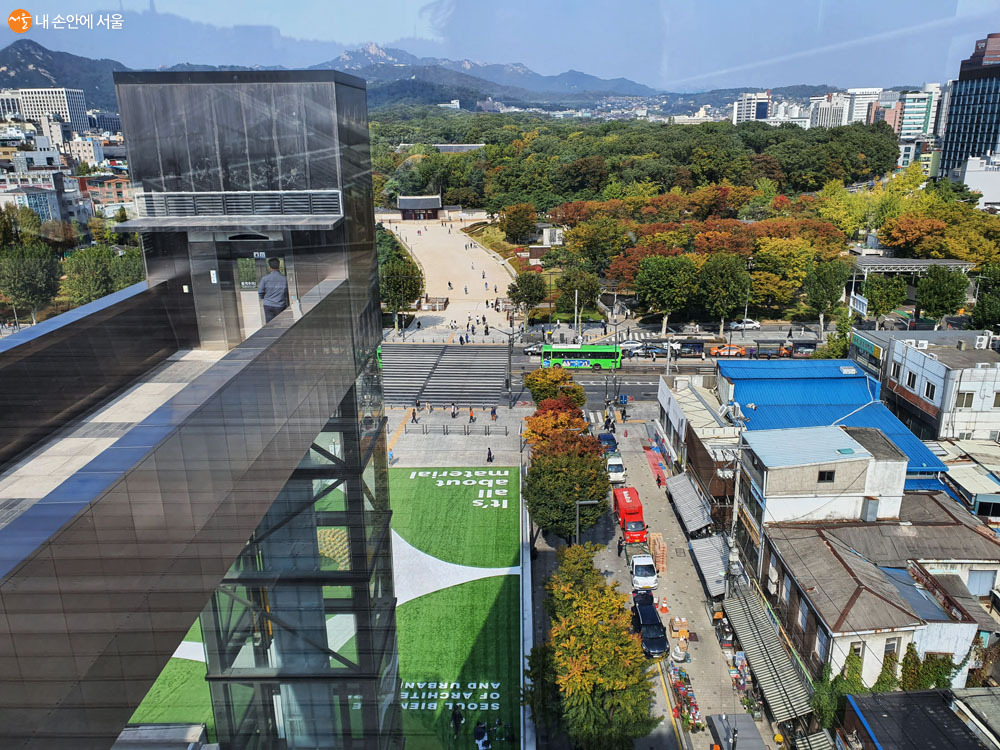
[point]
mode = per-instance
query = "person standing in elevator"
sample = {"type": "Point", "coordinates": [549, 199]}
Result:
{"type": "Point", "coordinates": [273, 291]}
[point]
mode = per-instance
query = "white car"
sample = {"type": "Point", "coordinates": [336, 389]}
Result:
{"type": "Point", "coordinates": [631, 344]}
{"type": "Point", "coordinates": [616, 468]}
{"type": "Point", "coordinates": [747, 324]}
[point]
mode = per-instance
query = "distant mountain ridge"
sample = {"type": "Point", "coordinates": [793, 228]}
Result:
{"type": "Point", "coordinates": [394, 77]}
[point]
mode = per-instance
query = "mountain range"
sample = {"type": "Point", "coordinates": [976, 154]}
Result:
{"type": "Point", "coordinates": [394, 77]}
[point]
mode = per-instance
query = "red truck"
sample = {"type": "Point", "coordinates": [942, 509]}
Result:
{"type": "Point", "coordinates": [628, 514]}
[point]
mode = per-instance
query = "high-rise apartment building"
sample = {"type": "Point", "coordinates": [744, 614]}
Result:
{"type": "Point", "coordinates": [69, 104]}
{"type": "Point", "coordinates": [859, 101]}
{"type": "Point", "coordinates": [252, 490]}
{"type": "Point", "coordinates": [752, 106]}
{"type": "Point", "coordinates": [973, 121]}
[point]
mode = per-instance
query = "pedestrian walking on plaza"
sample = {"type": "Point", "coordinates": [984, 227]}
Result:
{"type": "Point", "coordinates": [607, 423]}
{"type": "Point", "coordinates": [621, 546]}
{"type": "Point", "coordinates": [494, 288]}
{"type": "Point", "coordinates": [659, 480]}
{"type": "Point", "coordinates": [486, 285]}
{"type": "Point", "coordinates": [472, 416]}
{"type": "Point", "coordinates": [390, 457]}
{"type": "Point", "coordinates": [484, 274]}
{"type": "Point", "coordinates": [457, 720]}
{"type": "Point", "coordinates": [624, 414]}
{"type": "Point", "coordinates": [454, 410]}
{"type": "Point", "coordinates": [418, 325]}
{"type": "Point", "coordinates": [449, 285]}
{"type": "Point", "coordinates": [489, 455]}
{"type": "Point", "coordinates": [611, 427]}
{"type": "Point", "coordinates": [461, 341]}
{"type": "Point", "coordinates": [413, 417]}
{"type": "Point", "coordinates": [493, 414]}
{"type": "Point", "coordinates": [486, 330]}
{"type": "Point", "coordinates": [466, 290]}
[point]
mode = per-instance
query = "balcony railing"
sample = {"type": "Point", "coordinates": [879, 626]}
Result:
{"type": "Point", "coordinates": [240, 203]}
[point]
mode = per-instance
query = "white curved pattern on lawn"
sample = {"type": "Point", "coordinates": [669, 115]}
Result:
{"type": "Point", "coordinates": [191, 650]}
{"type": "Point", "coordinates": [416, 573]}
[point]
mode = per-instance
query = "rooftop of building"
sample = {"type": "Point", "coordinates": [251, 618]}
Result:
{"type": "Point", "coordinates": [914, 721]}
{"type": "Point", "coordinates": [983, 702]}
{"type": "Point", "coordinates": [876, 443]}
{"type": "Point", "coordinates": [944, 345]}
{"type": "Point", "coordinates": [419, 201]}
{"type": "Point", "coordinates": [931, 526]}
{"type": "Point", "coordinates": [804, 446]}
{"type": "Point", "coordinates": [29, 189]}
{"type": "Point", "coordinates": [776, 394]}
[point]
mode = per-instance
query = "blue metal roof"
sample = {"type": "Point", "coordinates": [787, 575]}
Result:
{"type": "Point", "coordinates": [930, 484]}
{"type": "Point", "coordinates": [814, 393]}
{"type": "Point", "coordinates": [760, 369]}
{"type": "Point", "coordinates": [804, 445]}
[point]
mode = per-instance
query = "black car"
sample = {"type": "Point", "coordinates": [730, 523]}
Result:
{"type": "Point", "coordinates": [533, 349]}
{"type": "Point", "coordinates": [646, 622]}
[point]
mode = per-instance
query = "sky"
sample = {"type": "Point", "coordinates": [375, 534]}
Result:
{"type": "Point", "coordinates": [675, 45]}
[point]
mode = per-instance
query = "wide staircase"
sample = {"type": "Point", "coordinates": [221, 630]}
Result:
{"type": "Point", "coordinates": [471, 375]}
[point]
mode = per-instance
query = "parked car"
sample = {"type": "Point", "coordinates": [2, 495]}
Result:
{"type": "Point", "coordinates": [650, 349]}
{"type": "Point", "coordinates": [533, 350]}
{"type": "Point", "coordinates": [747, 324]}
{"type": "Point", "coordinates": [632, 344]}
{"type": "Point", "coordinates": [646, 622]}
{"type": "Point", "coordinates": [608, 442]}
{"type": "Point", "coordinates": [727, 350]}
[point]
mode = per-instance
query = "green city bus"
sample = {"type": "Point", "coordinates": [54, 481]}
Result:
{"type": "Point", "coordinates": [591, 356]}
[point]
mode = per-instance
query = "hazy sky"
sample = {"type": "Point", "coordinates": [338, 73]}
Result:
{"type": "Point", "coordinates": [673, 44]}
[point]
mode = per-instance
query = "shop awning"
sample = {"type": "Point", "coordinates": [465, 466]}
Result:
{"type": "Point", "coordinates": [711, 556]}
{"type": "Point", "coordinates": [692, 510]}
{"type": "Point", "coordinates": [818, 741]}
{"type": "Point", "coordinates": [783, 688]}
{"type": "Point", "coordinates": [748, 738]}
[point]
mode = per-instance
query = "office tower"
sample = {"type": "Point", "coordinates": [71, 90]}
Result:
{"type": "Point", "coordinates": [859, 101]}
{"type": "Point", "coordinates": [751, 107]}
{"type": "Point", "coordinates": [973, 124]}
{"type": "Point", "coordinates": [251, 490]}
{"type": "Point", "coordinates": [69, 104]}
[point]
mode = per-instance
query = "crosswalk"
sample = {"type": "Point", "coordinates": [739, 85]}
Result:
{"type": "Point", "coordinates": [441, 375]}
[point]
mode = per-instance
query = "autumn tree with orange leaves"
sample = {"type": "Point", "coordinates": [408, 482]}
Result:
{"type": "Point", "coordinates": [590, 679]}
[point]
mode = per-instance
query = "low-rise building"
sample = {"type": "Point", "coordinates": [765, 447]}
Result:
{"type": "Point", "coordinates": [419, 207]}
{"type": "Point", "coordinates": [107, 191]}
{"type": "Point", "coordinates": [43, 202]}
{"type": "Point", "coordinates": [981, 174]}
{"type": "Point", "coordinates": [941, 384]}
{"type": "Point", "coordinates": [873, 587]}
{"type": "Point", "coordinates": [86, 150]}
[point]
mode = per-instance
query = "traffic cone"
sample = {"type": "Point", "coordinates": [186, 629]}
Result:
{"type": "Point", "coordinates": [663, 606]}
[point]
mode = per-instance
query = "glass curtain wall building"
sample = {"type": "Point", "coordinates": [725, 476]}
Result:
{"type": "Point", "coordinates": [973, 121]}
{"type": "Point", "coordinates": [255, 497]}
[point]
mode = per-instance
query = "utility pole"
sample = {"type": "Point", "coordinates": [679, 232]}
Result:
{"type": "Point", "coordinates": [576, 305]}
{"type": "Point", "coordinates": [734, 557]}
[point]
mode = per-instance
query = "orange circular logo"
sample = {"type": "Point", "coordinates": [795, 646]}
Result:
{"type": "Point", "coordinates": [19, 21]}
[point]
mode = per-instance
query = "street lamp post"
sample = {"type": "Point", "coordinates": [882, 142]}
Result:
{"type": "Point", "coordinates": [750, 267]}
{"type": "Point", "coordinates": [578, 504]}
{"type": "Point", "coordinates": [510, 352]}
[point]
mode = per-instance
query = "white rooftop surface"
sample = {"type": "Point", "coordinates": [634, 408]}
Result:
{"type": "Point", "coordinates": [57, 459]}
{"type": "Point", "coordinates": [803, 446]}
{"type": "Point", "coordinates": [699, 406]}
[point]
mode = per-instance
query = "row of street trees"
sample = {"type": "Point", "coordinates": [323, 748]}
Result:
{"type": "Point", "coordinates": [590, 679]}
{"type": "Point", "coordinates": [401, 282]}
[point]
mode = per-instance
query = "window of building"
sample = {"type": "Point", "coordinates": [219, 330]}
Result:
{"type": "Point", "coordinates": [965, 436]}
{"type": "Point", "coordinates": [786, 589]}
{"type": "Point", "coordinates": [858, 647]}
{"type": "Point", "coordinates": [826, 476]}
{"type": "Point", "coordinates": [996, 400]}
{"type": "Point", "coordinates": [929, 390]}
{"type": "Point", "coordinates": [895, 370]}
{"type": "Point", "coordinates": [822, 644]}
{"type": "Point", "coordinates": [963, 400]}
{"type": "Point", "coordinates": [891, 646]}
{"type": "Point", "coordinates": [802, 615]}
{"type": "Point", "coordinates": [911, 380]}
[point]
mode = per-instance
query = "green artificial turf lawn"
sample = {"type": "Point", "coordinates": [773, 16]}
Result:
{"type": "Point", "coordinates": [194, 634]}
{"type": "Point", "coordinates": [468, 633]}
{"type": "Point", "coordinates": [180, 694]}
{"type": "Point", "coordinates": [444, 521]}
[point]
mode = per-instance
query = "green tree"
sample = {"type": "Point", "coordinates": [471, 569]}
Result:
{"type": "Point", "coordinates": [823, 701]}
{"type": "Point", "coordinates": [586, 284]}
{"type": "Point", "coordinates": [527, 290]}
{"type": "Point", "coordinates": [556, 482]}
{"type": "Point", "coordinates": [604, 687]}
{"type": "Point", "coordinates": [88, 274]}
{"type": "Point", "coordinates": [518, 221]}
{"type": "Point", "coordinates": [127, 268]}
{"type": "Point", "coordinates": [29, 224]}
{"type": "Point", "coordinates": [593, 243]}
{"type": "Point", "coordinates": [837, 346]}
{"type": "Point", "coordinates": [884, 294]}
{"type": "Point", "coordinates": [941, 292]}
{"type": "Point", "coordinates": [400, 283]}
{"type": "Point", "coordinates": [723, 285]}
{"type": "Point", "coordinates": [121, 215]}
{"type": "Point", "coordinates": [82, 169]}
{"type": "Point", "coordinates": [910, 678]}
{"type": "Point", "coordinates": [29, 276]}
{"type": "Point", "coordinates": [986, 313]}
{"type": "Point", "coordinates": [551, 382]}
{"type": "Point", "coordinates": [666, 283]}
{"type": "Point", "coordinates": [541, 693]}
{"type": "Point", "coordinates": [888, 679]}
{"type": "Point", "coordinates": [824, 287]}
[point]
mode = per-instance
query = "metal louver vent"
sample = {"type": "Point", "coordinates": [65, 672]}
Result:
{"type": "Point", "coordinates": [246, 203]}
